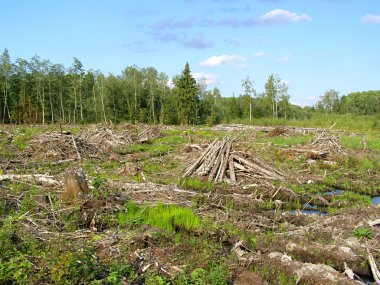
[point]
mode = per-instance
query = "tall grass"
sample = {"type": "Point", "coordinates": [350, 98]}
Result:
{"type": "Point", "coordinates": [345, 122]}
{"type": "Point", "coordinates": [167, 217]}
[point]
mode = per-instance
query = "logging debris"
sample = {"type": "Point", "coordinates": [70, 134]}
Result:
{"type": "Point", "coordinates": [325, 141]}
{"type": "Point", "coordinates": [93, 142]}
{"type": "Point", "coordinates": [221, 163]}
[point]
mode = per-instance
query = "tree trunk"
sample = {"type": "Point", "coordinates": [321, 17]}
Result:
{"type": "Point", "coordinates": [43, 105]}
{"type": "Point", "coordinates": [96, 109]}
{"type": "Point", "coordinates": [51, 104]}
{"type": "Point", "coordinates": [61, 98]}
{"type": "Point", "coordinates": [250, 110]}
{"type": "Point", "coordinates": [80, 99]}
{"type": "Point", "coordinates": [102, 97]}
{"type": "Point", "coordinates": [5, 99]}
{"type": "Point", "coordinates": [75, 104]}
{"type": "Point", "coordinates": [134, 83]}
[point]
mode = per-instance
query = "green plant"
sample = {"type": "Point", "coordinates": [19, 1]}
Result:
{"type": "Point", "coordinates": [218, 275]}
{"type": "Point", "coordinates": [196, 184]}
{"type": "Point", "coordinates": [362, 233]}
{"type": "Point", "coordinates": [167, 217]}
{"type": "Point", "coordinates": [155, 280]}
{"type": "Point", "coordinates": [17, 270]}
{"type": "Point", "coordinates": [198, 276]}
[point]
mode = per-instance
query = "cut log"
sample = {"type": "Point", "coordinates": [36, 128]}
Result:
{"type": "Point", "coordinates": [224, 163]}
{"type": "Point", "coordinates": [231, 170]}
{"type": "Point", "coordinates": [75, 186]}
{"type": "Point", "coordinates": [216, 166]}
{"type": "Point", "coordinates": [375, 271]}
{"type": "Point", "coordinates": [194, 166]}
{"type": "Point", "coordinates": [76, 148]}
{"type": "Point", "coordinates": [256, 168]}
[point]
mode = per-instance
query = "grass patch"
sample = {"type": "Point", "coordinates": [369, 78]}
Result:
{"type": "Point", "coordinates": [196, 184]}
{"type": "Point", "coordinates": [290, 141]}
{"type": "Point", "coordinates": [167, 217]}
{"type": "Point", "coordinates": [152, 149]}
{"type": "Point", "coordinates": [346, 122]}
{"type": "Point", "coordinates": [362, 233]}
{"type": "Point", "coordinates": [352, 198]}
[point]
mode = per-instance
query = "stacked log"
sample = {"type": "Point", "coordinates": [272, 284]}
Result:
{"type": "Point", "coordinates": [220, 163]}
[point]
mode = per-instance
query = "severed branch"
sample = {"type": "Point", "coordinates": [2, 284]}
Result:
{"type": "Point", "coordinates": [372, 264]}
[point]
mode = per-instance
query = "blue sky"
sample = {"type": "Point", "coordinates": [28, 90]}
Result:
{"type": "Point", "coordinates": [313, 45]}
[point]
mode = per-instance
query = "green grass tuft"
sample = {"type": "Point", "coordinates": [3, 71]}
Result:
{"type": "Point", "coordinates": [167, 217]}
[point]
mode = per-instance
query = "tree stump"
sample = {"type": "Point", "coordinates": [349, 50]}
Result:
{"type": "Point", "coordinates": [75, 186]}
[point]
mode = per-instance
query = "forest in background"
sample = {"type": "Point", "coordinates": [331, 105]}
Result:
{"type": "Point", "coordinates": [41, 92]}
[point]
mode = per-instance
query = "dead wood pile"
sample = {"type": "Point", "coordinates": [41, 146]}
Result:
{"type": "Point", "coordinates": [63, 146]}
{"type": "Point", "coordinates": [323, 146]}
{"type": "Point", "coordinates": [91, 143]}
{"type": "Point", "coordinates": [107, 139]}
{"type": "Point", "coordinates": [328, 142]}
{"type": "Point", "coordinates": [149, 133]}
{"type": "Point", "coordinates": [220, 163]}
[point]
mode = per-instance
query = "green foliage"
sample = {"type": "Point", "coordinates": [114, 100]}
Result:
{"type": "Point", "coordinates": [167, 217]}
{"type": "Point", "coordinates": [362, 233]}
{"type": "Point", "coordinates": [75, 268]}
{"type": "Point", "coordinates": [196, 184]}
{"type": "Point", "coordinates": [284, 279]}
{"type": "Point", "coordinates": [17, 270]}
{"type": "Point", "coordinates": [187, 96]}
{"type": "Point", "coordinates": [156, 280]}
{"type": "Point", "coordinates": [289, 141]}
{"type": "Point", "coordinates": [153, 150]}
{"type": "Point", "coordinates": [218, 275]}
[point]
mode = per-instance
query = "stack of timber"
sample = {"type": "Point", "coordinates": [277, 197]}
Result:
{"type": "Point", "coordinates": [220, 163]}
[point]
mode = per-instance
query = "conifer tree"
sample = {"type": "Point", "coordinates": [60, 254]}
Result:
{"type": "Point", "coordinates": [187, 97]}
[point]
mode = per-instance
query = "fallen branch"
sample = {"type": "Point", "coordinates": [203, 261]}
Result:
{"type": "Point", "coordinates": [372, 264]}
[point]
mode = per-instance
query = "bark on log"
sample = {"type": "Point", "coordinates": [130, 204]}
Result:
{"type": "Point", "coordinates": [75, 186]}
{"type": "Point", "coordinates": [257, 168]}
{"type": "Point", "coordinates": [223, 165]}
{"type": "Point", "coordinates": [232, 170]}
{"type": "Point", "coordinates": [215, 168]}
{"type": "Point", "coordinates": [199, 160]}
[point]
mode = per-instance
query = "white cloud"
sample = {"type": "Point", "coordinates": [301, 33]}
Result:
{"type": "Point", "coordinates": [371, 19]}
{"type": "Point", "coordinates": [234, 60]}
{"type": "Point", "coordinates": [285, 58]}
{"type": "Point", "coordinates": [283, 16]}
{"type": "Point", "coordinates": [204, 77]}
{"type": "Point", "coordinates": [260, 54]}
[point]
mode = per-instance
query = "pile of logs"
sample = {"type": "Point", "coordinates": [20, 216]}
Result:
{"type": "Point", "coordinates": [326, 141]}
{"type": "Point", "coordinates": [220, 163]}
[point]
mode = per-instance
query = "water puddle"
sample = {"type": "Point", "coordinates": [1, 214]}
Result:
{"type": "Point", "coordinates": [308, 212]}
{"type": "Point", "coordinates": [376, 200]}
{"type": "Point", "coordinates": [334, 192]}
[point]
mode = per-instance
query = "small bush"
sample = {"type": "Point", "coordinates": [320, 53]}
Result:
{"type": "Point", "coordinates": [362, 233]}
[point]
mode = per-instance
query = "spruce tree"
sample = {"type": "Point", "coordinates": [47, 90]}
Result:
{"type": "Point", "coordinates": [187, 97]}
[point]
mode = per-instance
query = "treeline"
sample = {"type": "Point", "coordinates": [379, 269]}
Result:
{"type": "Point", "coordinates": [356, 103]}
{"type": "Point", "coordinates": [39, 91]}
